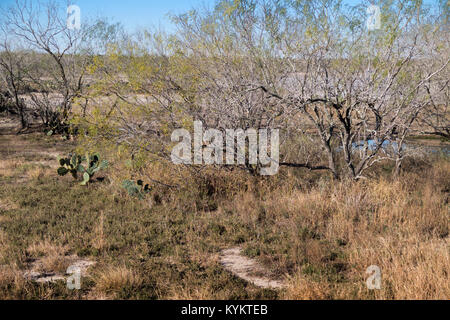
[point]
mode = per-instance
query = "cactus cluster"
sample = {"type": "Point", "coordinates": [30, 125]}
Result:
{"type": "Point", "coordinates": [70, 165]}
{"type": "Point", "coordinates": [136, 189]}
{"type": "Point", "coordinates": [93, 165]}
{"type": "Point", "coordinates": [73, 165]}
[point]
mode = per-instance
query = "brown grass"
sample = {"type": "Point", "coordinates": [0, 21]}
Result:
{"type": "Point", "coordinates": [112, 279]}
{"type": "Point", "coordinates": [318, 234]}
{"type": "Point", "coordinates": [49, 257]}
{"type": "Point", "coordinates": [402, 226]}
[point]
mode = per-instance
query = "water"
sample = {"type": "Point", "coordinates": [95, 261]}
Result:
{"type": "Point", "coordinates": [390, 146]}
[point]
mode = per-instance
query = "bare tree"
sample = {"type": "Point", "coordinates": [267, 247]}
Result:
{"type": "Point", "coordinates": [310, 68]}
{"type": "Point", "coordinates": [13, 64]}
{"type": "Point", "coordinates": [61, 79]}
{"type": "Point", "coordinates": [435, 118]}
{"type": "Point", "coordinates": [358, 89]}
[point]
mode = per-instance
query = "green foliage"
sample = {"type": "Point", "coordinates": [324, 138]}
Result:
{"type": "Point", "coordinates": [73, 165]}
{"type": "Point", "coordinates": [70, 165]}
{"type": "Point", "coordinates": [136, 189]}
{"type": "Point", "coordinates": [93, 165]}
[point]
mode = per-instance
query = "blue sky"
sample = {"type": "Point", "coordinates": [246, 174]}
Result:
{"type": "Point", "coordinates": [135, 14]}
{"type": "Point", "coordinates": [132, 13]}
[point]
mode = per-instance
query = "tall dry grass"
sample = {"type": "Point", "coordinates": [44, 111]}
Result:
{"type": "Point", "coordinates": [326, 237]}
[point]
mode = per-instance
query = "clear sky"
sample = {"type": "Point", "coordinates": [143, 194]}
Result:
{"type": "Point", "coordinates": [131, 13]}
{"type": "Point", "coordinates": [135, 14]}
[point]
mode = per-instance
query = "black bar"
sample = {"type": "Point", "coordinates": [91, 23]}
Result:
{"type": "Point", "coordinates": [180, 310]}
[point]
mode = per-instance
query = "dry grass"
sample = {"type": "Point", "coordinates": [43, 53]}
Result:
{"type": "Point", "coordinates": [321, 235]}
{"type": "Point", "coordinates": [112, 280]}
{"type": "Point", "coordinates": [5, 205]}
{"type": "Point", "coordinates": [4, 246]}
{"type": "Point", "coordinates": [325, 237]}
{"type": "Point", "coordinates": [11, 275]}
{"type": "Point", "coordinates": [99, 241]}
{"type": "Point", "coordinates": [37, 172]}
{"type": "Point", "coordinates": [8, 167]}
{"type": "Point", "coordinates": [402, 226]}
{"type": "Point", "coordinates": [301, 288]}
{"type": "Point", "coordinates": [49, 257]}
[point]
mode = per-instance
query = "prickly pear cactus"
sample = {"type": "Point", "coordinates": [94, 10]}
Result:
{"type": "Point", "coordinates": [70, 165]}
{"type": "Point", "coordinates": [73, 165]}
{"type": "Point", "coordinates": [136, 189]}
{"type": "Point", "coordinates": [93, 166]}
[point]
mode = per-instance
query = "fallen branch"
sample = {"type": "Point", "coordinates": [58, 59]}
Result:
{"type": "Point", "coordinates": [303, 165]}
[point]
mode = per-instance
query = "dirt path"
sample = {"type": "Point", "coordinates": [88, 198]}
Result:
{"type": "Point", "coordinates": [77, 265]}
{"type": "Point", "coordinates": [248, 269]}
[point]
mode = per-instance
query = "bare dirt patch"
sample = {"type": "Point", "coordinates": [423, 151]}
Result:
{"type": "Point", "coordinates": [248, 269]}
{"type": "Point", "coordinates": [75, 263]}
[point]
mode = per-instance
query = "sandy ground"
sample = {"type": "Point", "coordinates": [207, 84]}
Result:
{"type": "Point", "coordinates": [248, 269]}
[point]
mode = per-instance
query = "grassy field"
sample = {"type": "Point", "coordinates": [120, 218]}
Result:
{"type": "Point", "coordinates": [318, 236]}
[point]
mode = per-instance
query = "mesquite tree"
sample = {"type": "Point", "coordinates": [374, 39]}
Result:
{"type": "Point", "coordinates": [13, 67]}
{"type": "Point", "coordinates": [310, 68]}
{"type": "Point", "coordinates": [359, 89]}
{"type": "Point", "coordinates": [61, 55]}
